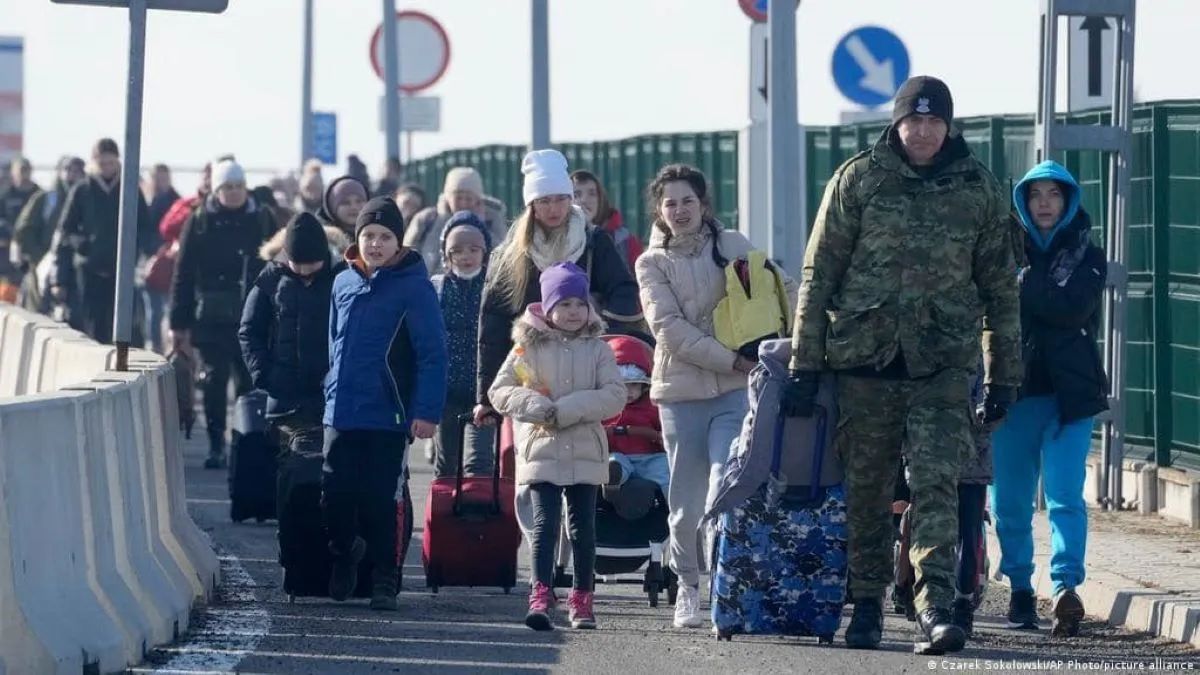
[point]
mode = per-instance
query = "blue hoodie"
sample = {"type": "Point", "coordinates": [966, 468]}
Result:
{"type": "Point", "coordinates": [387, 347]}
{"type": "Point", "coordinates": [1047, 170]}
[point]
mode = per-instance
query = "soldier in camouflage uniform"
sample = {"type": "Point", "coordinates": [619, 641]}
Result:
{"type": "Point", "coordinates": [909, 258]}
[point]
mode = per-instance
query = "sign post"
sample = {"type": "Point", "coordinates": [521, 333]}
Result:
{"type": "Point", "coordinates": [127, 223]}
{"type": "Point", "coordinates": [789, 227]}
{"type": "Point", "coordinates": [540, 53]}
{"type": "Point", "coordinates": [420, 52]}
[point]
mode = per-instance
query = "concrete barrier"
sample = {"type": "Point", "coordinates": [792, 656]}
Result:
{"type": "Point", "coordinates": [99, 560]}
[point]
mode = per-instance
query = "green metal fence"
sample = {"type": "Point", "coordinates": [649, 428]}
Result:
{"type": "Point", "coordinates": [1163, 378]}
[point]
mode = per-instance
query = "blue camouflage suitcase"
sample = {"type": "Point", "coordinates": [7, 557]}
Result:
{"type": "Point", "coordinates": [780, 561]}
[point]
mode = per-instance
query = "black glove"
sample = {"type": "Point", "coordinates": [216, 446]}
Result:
{"type": "Point", "coordinates": [800, 397]}
{"type": "Point", "coordinates": [996, 399]}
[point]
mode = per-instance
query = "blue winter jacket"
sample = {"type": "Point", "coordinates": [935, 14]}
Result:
{"type": "Point", "coordinates": [387, 347]}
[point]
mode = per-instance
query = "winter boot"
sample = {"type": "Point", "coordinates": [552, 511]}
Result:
{"type": "Point", "coordinates": [941, 636]}
{"type": "Point", "coordinates": [581, 614]}
{"type": "Point", "coordinates": [216, 451]}
{"type": "Point", "coordinates": [866, 626]}
{"type": "Point", "coordinates": [343, 578]}
{"type": "Point", "coordinates": [383, 589]}
{"type": "Point", "coordinates": [962, 614]}
{"type": "Point", "coordinates": [541, 600]}
{"type": "Point", "coordinates": [1068, 612]}
{"type": "Point", "coordinates": [1022, 611]}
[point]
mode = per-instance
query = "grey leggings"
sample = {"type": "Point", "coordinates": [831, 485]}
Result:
{"type": "Point", "coordinates": [581, 525]}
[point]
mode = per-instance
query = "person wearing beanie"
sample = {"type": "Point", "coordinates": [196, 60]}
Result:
{"type": "Point", "coordinates": [343, 201]}
{"type": "Point", "coordinates": [85, 267]}
{"type": "Point", "coordinates": [284, 337]}
{"type": "Point", "coordinates": [558, 383]}
{"type": "Point", "coordinates": [551, 230]}
{"type": "Point", "coordinates": [909, 267]}
{"type": "Point", "coordinates": [466, 244]}
{"type": "Point", "coordinates": [386, 383]}
{"type": "Point", "coordinates": [463, 191]}
{"type": "Point", "coordinates": [215, 268]}
{"type": "Point", "coordinates": [635, 435]}
{"type": "Point", "coordinates": [311, 187]}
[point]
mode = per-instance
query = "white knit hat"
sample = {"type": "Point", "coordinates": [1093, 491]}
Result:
{"type": "Point", "coordinates": [463, 178]}
{"type": "Point", "coordinates": [545, 175]}
{"type": "Point", "coordinates": [226, 172]}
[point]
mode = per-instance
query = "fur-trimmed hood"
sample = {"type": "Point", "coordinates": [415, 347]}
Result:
{"type": "Point", "coordinates": [533, 327]}
{"type": "Point", "coordinates": [273, 248]}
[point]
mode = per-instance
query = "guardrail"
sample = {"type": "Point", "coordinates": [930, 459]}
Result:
{"type": "Point", "coordinates": [99, 560]}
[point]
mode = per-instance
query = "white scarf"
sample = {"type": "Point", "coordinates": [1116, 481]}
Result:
{"type": "Point", "coordinates": [545, 252]}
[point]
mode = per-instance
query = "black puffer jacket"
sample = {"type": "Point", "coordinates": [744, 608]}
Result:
{"type": "Point", "coordinates": [1061, 290]}
{"type": "Point", "coordinates": [285, 337]}
{"type": "Point", "coordinates": [218, 262]}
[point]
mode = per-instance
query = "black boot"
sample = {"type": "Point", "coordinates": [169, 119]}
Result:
{"type": "Point", "coordinates": [962, 614]}
{"type": "Point", "coordinates": [383, 589]}
{"type": "Point", "coordinates": [866, 626]}
{"type": "Point", "coordinates": [343, 578]}
{"type": "Point", "coordinates": [216, 451]}
{"type": "Point", "coordinates": [1022, 611]}
{"type": "Point", "coordinates": [1068, 612]}
{"type": "Point", "coordinates": [941, 635]}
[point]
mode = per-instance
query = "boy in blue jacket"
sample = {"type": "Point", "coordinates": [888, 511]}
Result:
{"type": "Point", "coordinates": [386, 381]}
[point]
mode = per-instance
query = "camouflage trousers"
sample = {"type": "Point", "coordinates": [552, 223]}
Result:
{"type": "Point", "coordinates": [928, 420]}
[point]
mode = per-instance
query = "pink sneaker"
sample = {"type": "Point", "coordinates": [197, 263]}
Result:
{"type": "Point", "coordinates": [580, 604]}
{"type": "Point", "coordinates": [541, 600]}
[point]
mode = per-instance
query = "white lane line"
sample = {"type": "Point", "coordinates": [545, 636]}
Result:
{"type": "Point", "coordinates": [227, 637]}
{"type": "Point", "coordinates": [425, 623]}
{"type": "Point", "coordinates": [381, 639]}
{"type": "Point", "coordinates": [391, 661]}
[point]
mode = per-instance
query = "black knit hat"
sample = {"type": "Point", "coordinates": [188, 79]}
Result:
{"type": "Point", "coordinates": [381, 211]}
{"type": "Point", "coordinates": [304, 241]}
{"type": "Point", "coordinates": [923, 95]}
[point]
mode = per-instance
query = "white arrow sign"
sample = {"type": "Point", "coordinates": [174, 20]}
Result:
{"type": "Point", "coordinates": [879, 77]}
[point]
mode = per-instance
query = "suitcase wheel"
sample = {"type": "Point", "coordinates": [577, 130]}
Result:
{"type": "Point", "coordinates": [433, 589]}
{"type": "Point", "coordinates": [826, 639]}
{"type": "Point", "coordinates": [508, 590]}
{"type": "Point", "coordinates": [724, 635]}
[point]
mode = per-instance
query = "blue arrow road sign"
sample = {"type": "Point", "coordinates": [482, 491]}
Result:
{"type": "Point", "coordinates": [324, 130]}
{"type": "Point", "coordinates": [869, 64]}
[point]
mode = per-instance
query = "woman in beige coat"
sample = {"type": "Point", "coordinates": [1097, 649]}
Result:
{"type": "Point", "coordinates": [698, 383]}
{"type": "Point", "coordinates": [557, 384]}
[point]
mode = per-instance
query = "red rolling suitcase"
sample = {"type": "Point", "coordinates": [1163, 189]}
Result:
{"type": "Point", "coordinates": [471, 535]}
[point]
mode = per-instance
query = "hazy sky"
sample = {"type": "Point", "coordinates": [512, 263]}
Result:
{"type": "Point", "coordinates": [231, 82]}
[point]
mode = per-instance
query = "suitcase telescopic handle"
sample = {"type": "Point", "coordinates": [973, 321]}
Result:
{"type": "Point", "coordinates": [464, 420]}
{"type": "Point", "coordinates": [818, 463]}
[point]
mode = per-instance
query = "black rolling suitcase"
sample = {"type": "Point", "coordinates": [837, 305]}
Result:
{"type": "Point", "coordinates": [303, 541]}
{"type": "Point", "coordinates": [252, 463]}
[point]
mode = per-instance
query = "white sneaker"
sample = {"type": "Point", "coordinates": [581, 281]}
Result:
{"type": "Point", "coordinates": [687, 608]}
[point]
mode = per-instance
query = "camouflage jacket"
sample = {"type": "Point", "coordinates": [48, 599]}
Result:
{"type": "Point", "coordinates": [897, 261]}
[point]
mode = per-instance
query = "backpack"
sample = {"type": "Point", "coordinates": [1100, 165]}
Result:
{"type": "Point", "coordinates": [755, 305]}
{"type": "Point", "coordinates": [805, 443]}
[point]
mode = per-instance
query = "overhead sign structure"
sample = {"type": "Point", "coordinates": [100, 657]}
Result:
{"type": "Point", "coordinates": [423, 51]}
{"type": "Point", "coordinates": [757, 9]}
{"type": "Point", "coordinates": [869, 64]}
{"type": "Point", "coordinates": [12, 97]}
{"type": "Point", "coordinates": [1091, 46]}
{"type": "Point", "coordinates": [324, 125]}
{"type": "Point", "coordinates": [210, 6]}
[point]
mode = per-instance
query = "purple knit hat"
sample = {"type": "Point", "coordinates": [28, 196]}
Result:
{"type": "Point", "coordinates": [561, 281]}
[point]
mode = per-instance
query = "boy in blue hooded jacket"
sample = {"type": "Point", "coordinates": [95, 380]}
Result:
{"type": "Point", "coordinates": [387, 380]}
{"type": "Point", "coordinates": [1048, 431]}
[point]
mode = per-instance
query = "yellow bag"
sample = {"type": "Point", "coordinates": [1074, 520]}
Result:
{"type": "Point", "coordinates": [743, 317]}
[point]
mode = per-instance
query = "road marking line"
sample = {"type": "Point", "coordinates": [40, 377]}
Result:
{"type": "Point", "coordinates": [359, 658]}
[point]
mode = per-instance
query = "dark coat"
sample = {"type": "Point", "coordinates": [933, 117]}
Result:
{"type": "Point", "coordinates": [460, 300]}
{"type": "Point", "coordinates": [612, 286]}
{"type": "Point", "coordinates": [1060, 320]}
{"type": "Point", "coordinates": [285, 337]}
{"type": "Point", "coordinates": [216, 266]}
{"type": "Point", "coordinates": [89, 230]}
{"type": "Point", "coordinates": [387, 348]}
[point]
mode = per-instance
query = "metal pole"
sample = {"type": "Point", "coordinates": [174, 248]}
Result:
{"type": "Point", "coordinates": [789, 228]}
{"type": "Point", "coordinates": [130, 197]}
{"type": "Point", "coordinates": [306, 130]}
{"type": "Point", "coordinates": [391, 79]}
{"type": "Point", "coordinates": [540, 41]}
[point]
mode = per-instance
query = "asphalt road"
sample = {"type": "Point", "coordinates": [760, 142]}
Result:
{"type": "Point", "coordinates": [252, 628]}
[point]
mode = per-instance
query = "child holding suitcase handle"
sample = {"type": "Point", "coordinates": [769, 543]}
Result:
{"type": "Point", "coordinates": [559, 382]}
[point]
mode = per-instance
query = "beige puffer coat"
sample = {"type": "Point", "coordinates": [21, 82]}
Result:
{"type": "Point", "coordinates": [576, 378]}
{"type": "Point", "coordinates": [680, 287]}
